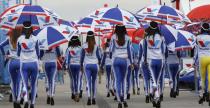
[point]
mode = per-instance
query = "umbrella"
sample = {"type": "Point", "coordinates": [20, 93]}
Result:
{"type": "Point", "coordinates": [163, 14]}
{"type": "Point", "coordinates": [136, 35]}
{"type": "Point", "coordinates": [65, 22]}
{"type": "Point", "coordinates": [15, 16]}
{"type": "Point", "coordinates": [186, 40]}
{"type": "Point", "coordinates": [51, 37]}
{"type": "Point", "coordinates": [198, 16]}
{"type": "Point", "coordinates": [169, 33]}
{"type": "Point", "coordinates": [27, 9]}
{"type": "Point", "coordinates": [86, 24]}
{"type": "Point", "coordinates": [194, 27]}
{"type": "Point", "coordinates": [116, 16]}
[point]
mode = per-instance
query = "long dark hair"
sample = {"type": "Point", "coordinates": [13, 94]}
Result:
{"type": "Point", "coordinates": [107, 44]}
{"type": "Point", "coordinates": [91, 41]}
{"type": "Point", "coordinates": [120, 32]}
{"type": "Point", "coordinates": [152, 30]}
{"type": "Point", "coordinates": [14, 35]}
{"type": "Point", "coordinates": [27, 29]}
{"type": "Point", "coordinates": [74, 42]}
{"type": "Point", "coordinates": [205, 28]}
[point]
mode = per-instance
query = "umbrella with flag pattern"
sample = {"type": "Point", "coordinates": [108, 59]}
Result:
{"type": "Point", "coordinates": [53, 36]}
{"type": "Point", "coordinates": [40, 17]}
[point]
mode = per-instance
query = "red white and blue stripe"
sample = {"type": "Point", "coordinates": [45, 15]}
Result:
{"type": "Point", "coordinates": [65, 22]}
{"type": "Point", "coordinates": [39, 17]}
{"type": "Point", "coordinates": [116, 16]}
{"type": "Point", "coordinates": [51, 37]}
{"type": "Point", "coordinates": [86, 24]}
{"type": "Point", "coordinates": [186, 40]}
{"type": "Point", "coordinates": [163, 14]}
{"type": "Point", "coordinates": [170, 34]}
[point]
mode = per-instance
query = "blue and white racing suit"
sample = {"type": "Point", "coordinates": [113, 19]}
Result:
{"type": "Point", "coordinates": [154, 55]}
{"type": "Point", "coordinates": [28, 51]}
{"type": "Point", "coordinates": [121, 59]}
{"type": "Point", "coordinates": [106, 60]}
{"type": "Point", "coordinates": [49, 59]}
{"type": "Point", "coordinates": [173, 62]}
{"type": "Point", "coordinates": [73, 56]}
{"type": "Point", "coordinates": [13, 69]}
{"type": "Point", "coordinates": [91, 62]}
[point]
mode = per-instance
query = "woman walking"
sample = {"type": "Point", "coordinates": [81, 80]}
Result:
{"type": "Point", "coordinates": [202, 59]}
{"type": "Point", "coordinates": [154, 58]}
{"type": "Point", "coordinates": [90, 61]}
{"type": "Point", "coordinates": [28, 51]}
{"type": "Point", "coordinates": [73, 55]}
{"type": "Point", "coordinates": [106, 60]}
{"type": "Point", "coordinates": [49, 59]}
{"type": "Point", "coordinates": [13, 65]}
{"type": "Point", "coordinates": [121, 60]}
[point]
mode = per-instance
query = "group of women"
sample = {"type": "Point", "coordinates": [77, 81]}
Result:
{"type": "Point", "coordinates": [118, 58]}
{"type": "Point", "coordinates": [24, 56]}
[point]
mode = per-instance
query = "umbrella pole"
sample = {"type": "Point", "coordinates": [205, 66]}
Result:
{"type": "Point", "coordinates": [160, 2]}
{"type": "Point", "coordinates": [36, 2]}
{"type": "Point", "coordinates": [189, 5]}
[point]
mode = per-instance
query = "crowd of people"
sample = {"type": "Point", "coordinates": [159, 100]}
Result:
{"type": "Point", "coordinates": [118, 59]}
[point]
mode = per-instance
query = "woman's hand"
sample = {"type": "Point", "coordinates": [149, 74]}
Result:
{"type": "Point", "coordinates": [7, 56]}
{"type": "Point", "coordinates": [132, 66]}
{"type": "Point", "coordinates": [145, 63]}
{"type": "Point", "coordinates": [82, 69]}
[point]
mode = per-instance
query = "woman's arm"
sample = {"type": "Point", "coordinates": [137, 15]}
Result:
{"type": "Point", "coordinates": [37, 49]}
{"type": "Point", "coordinates": [3, 44]}
{"type": "Point", "coordinates": [18, 49]}
{"type": "Point", "coordinates": [140, 52]}
{"type": "Point", "coordinates": [103, 59]}
{"type": "Point", "coordinates": [58, 52]}
{"type": "Point", "coordinates": [129, 52]}
{"type": "Point", "coordinates": [82, 57]}
{"type": "Point", "coordinates": [98, 55]}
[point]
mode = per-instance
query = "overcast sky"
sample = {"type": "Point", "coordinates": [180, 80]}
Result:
{"type": "Point", "coordinates": [76, 9]}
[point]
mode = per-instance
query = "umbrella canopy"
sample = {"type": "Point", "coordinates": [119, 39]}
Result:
{"type": "Point", "coordinates": [136, 35]}
{"type": "Point", "coordinates": [169, 33]}
{"type": "Point", "coordinates": [86, 24]}
{"type": "Point", "coordinates": [51, 37]}
{"type": "Point", "coordinates": [198, 16]}
{"type": "Point", "coordinates": [186, 40]}
{"type": "Point", "coordinates": [163, 14]}
{"type": "Point", "coordinates": [116, 16]}
{"type": "Point", "coordinates": [194, 27]}
{"type": "Point", "coordinates": [39, 17]}
{"type": "Point", "coordinates": [26, 9]}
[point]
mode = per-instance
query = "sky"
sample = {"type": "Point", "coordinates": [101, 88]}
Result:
{"type": "Point", "coordinates": [76, 9]}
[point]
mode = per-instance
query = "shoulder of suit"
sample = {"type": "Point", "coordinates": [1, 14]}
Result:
{"type": "Point", "coordinates": [85, 45]}
{"type": "Point", "coordinates": [20, 38]}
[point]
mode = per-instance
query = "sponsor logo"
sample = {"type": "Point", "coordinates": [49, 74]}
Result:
{"type": "Point", "coordinates": [154, 43]}
{"type": "Point", "coordinates": [204, 44]}
{"type": "Point", "coordinates": [129, 19]}
{"type": "Point", "coordinates": [27, 46]}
